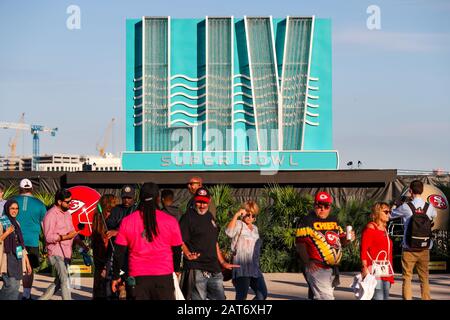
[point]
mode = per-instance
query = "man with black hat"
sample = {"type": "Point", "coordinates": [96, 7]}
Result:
{"type": "Point", "coordinates": [202, 278]}
{"type": "Point", "coordinates": [119, 212]}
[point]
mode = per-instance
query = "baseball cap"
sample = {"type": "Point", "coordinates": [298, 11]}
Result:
{"type": "Point", "coordinates": [203, 195]}
{"type": "Point", "coordinates": [26, 184]}
{"type": "Point", "coordinates": [323, 197]}
{"type": "Point", "coordinates": [149, 191]}
{"type": "Point", "coordinates": [127, 192]}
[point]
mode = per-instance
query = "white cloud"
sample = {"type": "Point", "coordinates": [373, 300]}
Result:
{"type": "Point", "coordinates": [394, 41]}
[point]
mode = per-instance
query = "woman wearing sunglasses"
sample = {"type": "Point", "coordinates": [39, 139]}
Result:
{"type": "Point", "coordinates": [246, 247]}
{"type": "Point", "coordinates": [376, 251]}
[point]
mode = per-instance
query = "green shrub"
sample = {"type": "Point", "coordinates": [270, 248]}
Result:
{"type": "Point", "coordinates": [46, 198]}
{"type": "Point", "coordinates": [226, 206]}
{"type": "Point", "coordinates": [10, 191]}
{"type": "Point", "coordinates": [280, 207]}
{"type": "Point", "coordinates": [357, 215]}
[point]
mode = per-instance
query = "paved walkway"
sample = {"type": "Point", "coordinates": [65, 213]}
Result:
{"type": "Point", "coordinates": [281, 286]}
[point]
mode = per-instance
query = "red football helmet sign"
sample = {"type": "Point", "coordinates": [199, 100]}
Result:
{"type": "Point", "coordinates": [82, 208]}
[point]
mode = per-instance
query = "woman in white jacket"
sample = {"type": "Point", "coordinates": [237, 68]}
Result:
{"type": "Point", "coordinates": [246, 247]}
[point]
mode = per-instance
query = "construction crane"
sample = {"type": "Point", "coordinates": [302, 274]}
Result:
{"type": "Point", "coordinates": [34, 130]}
{"type": "Point", "coordinates": [13, 142]}
{"type": "Point", "coordinates": [101, 148]}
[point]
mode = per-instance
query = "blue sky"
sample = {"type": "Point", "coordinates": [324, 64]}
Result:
{"type": "Point", "coordinates": [391, 87]}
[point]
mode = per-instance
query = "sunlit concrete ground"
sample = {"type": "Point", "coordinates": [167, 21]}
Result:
{"type": "Point", "coordinates": [281, 286]}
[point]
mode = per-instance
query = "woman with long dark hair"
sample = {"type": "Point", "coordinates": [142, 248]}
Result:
{"type": "Point", "coordinates": [13, 253]}
{"type": "Point", "coordinates": [153, 239]}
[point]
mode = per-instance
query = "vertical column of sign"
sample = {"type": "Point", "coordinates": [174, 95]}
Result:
{"type": "Point", "coordinates": [155, 102]}
{"type": "Point", "coordinates": [295, 77]}
{"type": "Point", "coordinates": [264, 81]}
{"type": "Point", "coordinates": [219, 84]}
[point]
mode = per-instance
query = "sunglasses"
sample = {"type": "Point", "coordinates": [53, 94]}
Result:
{"type": "Point", "coordinates": [249, 215]}
{"type": "Point", "coordinates": [387, 211]}
{"type": "Point", "coordinates": [67, 201]}
{"type": "Point", "coordinates": [322, 205]}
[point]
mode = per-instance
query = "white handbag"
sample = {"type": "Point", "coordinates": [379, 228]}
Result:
{"type": "Point", "coordinates": [382, 268]}
{"type": "Point", "coordinates": [178, 293]}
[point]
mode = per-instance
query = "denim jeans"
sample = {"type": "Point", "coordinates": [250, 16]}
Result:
{"type": "Point", "coordinates": [10, 289]}
{"type": "Point", "coordinates": [208, 286]}
{"type": "Point", "coordinates": [382, 290]}
{"type": "Point", "coordinates": [321, 283]}
{"type": "Point", "coordinates": [62, 280]}
{"type": "Point", "coordinates": [258, 286]}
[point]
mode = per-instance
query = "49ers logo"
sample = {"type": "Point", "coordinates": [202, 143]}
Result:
{"type": "Point", "coordinates": [333, 239]}
{"type": "Point", "coordinates": [437, 201]}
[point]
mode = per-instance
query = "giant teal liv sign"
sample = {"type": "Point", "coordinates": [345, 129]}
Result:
{"type": "Point", "coordinates": [250, 93]}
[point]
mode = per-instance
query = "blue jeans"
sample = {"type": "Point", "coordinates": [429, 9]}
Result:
{"type": "Point", "coordinates": [320, 281]}
{"type": "Point", "coordinates": [382, 290]}
{"type": "Point", "coordinates": [62, 280]}
{"type": "Point", "coordinates": [208, 285]}
{"type": "Point", "coordinates": [258, 286]}
{"type": "Point", "coordinates": [10, 289]}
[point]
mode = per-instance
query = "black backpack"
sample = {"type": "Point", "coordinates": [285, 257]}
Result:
{"type": "Point", "coordinates": [418, 233]}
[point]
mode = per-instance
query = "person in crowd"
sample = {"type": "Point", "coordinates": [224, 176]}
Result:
{"type": "Point", "coordinates": [194, 184]}
{"type": "Point", "coordinates": [167, 199]}
{"type": "Point", "coordinates": [246, 247]}
{"type": "Point", "coordinates": [153, 239]}
{"type": "Point", "coordinates": [59, 235]}
{"type": "Point", "coordinates": [31, 215]}
{"type": "Point", "coordinates": [101, 247]}
{"type": "Point", "coordinates": [202, 278]}
{"type": "Point", "coordinates": [376, 245]}
{"type": "Point", "coordinates": [128, 205]}
{"type": "Point", "coordinates": [414, 256]}
{"type": "Point", "coordinates": [2, 201]}
{"type": "Point", "coordinates": [319, 244]}
{"type": "Point", "coordinates": [13, 253]}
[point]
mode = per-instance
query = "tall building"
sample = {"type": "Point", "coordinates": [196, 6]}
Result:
{"type": "Point", "coordinates": [225, 93]}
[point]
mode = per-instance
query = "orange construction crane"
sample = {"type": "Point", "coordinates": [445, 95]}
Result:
{"type": "Point", "coordinates": [12, 144]}
{"type": "Point", "coordinates": [101, 148]}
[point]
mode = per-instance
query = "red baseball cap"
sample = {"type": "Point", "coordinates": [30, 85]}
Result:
{"type": "Point", "coordinates": [202, 195]}
{"type": "Point", "coordinates": [323, 197]}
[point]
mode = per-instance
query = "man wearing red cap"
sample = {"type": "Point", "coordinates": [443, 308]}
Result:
{"type": "Point", "coordinates": [202, 278]}
{"type": "Point", "coordinates": [319, 244]}
{"type": "Point", "coordinates": [193, 185]}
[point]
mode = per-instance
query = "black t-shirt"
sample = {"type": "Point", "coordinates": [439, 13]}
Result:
{"type": "Point", "coordinates": [200, 234]}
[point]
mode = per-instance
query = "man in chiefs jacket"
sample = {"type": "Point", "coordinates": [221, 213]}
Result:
{"type": "Point", "coordinates": [319, 244]}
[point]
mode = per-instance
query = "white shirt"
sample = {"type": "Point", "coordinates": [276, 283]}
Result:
{"type": "Point", "coordinates": [404, 212]}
